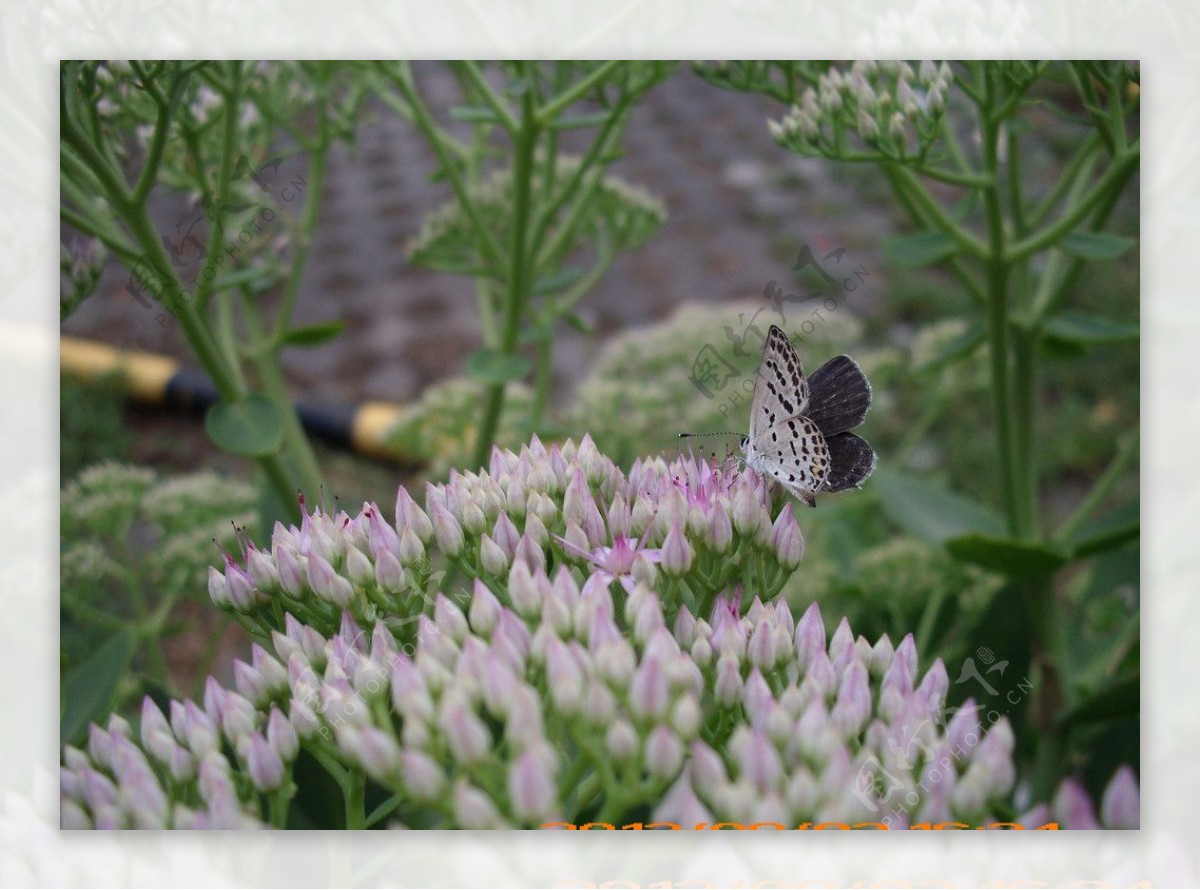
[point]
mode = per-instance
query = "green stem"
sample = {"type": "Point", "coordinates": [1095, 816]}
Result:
{"type": "Point", "coordinates": [997, 314]}
{"type": "Point", "coordinates": [1025, 346]}
{"type": "Point", "coordinates": [355, 794]}
{"type": "Point", "coordinates": [520, 267]}
{"type": "Point", "coordinates": [489, 96]}
{"type": "Point", "coordinates": [1126, 451]}
{"type": "Point", "coordinates": [1111, 182]}
{"type": "Point", "coordinates": [551, 109]}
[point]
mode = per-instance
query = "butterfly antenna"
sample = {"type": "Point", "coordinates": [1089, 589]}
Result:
{"type": "Point", "coordinates": [697, 435]}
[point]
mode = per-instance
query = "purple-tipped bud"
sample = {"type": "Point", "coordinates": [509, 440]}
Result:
{"type": "Point", "coordinates": [293, 577]}
{"type": "Point", "coordinates": [410, 516]}
{"type": "Point", "coordinates": [531, 788]}
{"type": "Point", "coordinates": [728, 685]}
{"type": "Point", "coordinates": [530, 552]}
{"type": "Point", "coordinates": [523, 590]}
{"type": "Point", "coordinates": [663, 753]}
{"type": "Point", "coordinates": [964, 730]}
{"type": "Point", "coordinates": [484, 611]}
{"type": "Point", "coordinates": [474, 809]}
{"type": "Point", "coordinates": [374, 749]}
{"type": "Point", "coordinates": [157, 737]}
{"type": "Point", "coordinates": [506, 535]}
{"type": "Point", "coordinates": [282, 735]}
{"type": "Point", "coordinates": [250, 683]}
{"type": "Point", "coordinates": [810, 636]}
{"type": "Point", "coordinates": [197, 728]}
{"type": "Point", "coordinates": [358, 567]}
{"type": "Point", "coordinates": [303, 719]}
{"type": "Point", "coordinates": [450, 619]}
{"type": "Point", "coordinates": [411, 551]}
{"type": "Point", "coordinates": [328, 584]}
{"type": "Point", "coordinates": [761, 649]}
{"type": "Point", "coordinates": [492, 557]}
{"type": "Point", "coordinates": [759, 762]}
{"type": "Point", "coordinates": [649, 692]}
{"type": "Point", "coordinates": [563, 676]}
{"type": "Point", "coordinates": [685, 627]}
{"type": "Point", "coordinates": [756, 697]}
{"type": "Point", "coordinates": [882, 654]}
{"type": "Point", "coordinates": [1121, 805]}
{"type": "Point", "coordinates": [241, 588]}
{"type": "Point", "coordinates": [474, 520]}
{"type": "Point", "coordinates": [467, 736]}
{"type": "Point", "coordinates": [389, 574]}
{"type": "Point", "coordinates": [218, 589]}
{"type": "Point", "coordinates": [447, 530]}
{"type": "Point", "coordinates": [381, 536]}
{"type": "Point", "coordinates": [702, 652]}
{"type": "Point", "coordinates": [1073, 807]}
{"type": "Point", "coordinates": [746, 512]}
{"type": "Point", "coordinates": [681, 805]}
{"type": "Point", "coordinates": [263, 763]}
{"type": "Point", "coordinates": [677, 553]}
{"type": "Point", "coordinates": [262, 570]}
{"type": "Point", "coordinates": [707, 767]}
{"type": "Point", "coordinates": [686, 717]}
{"type": "Point", "coordinates": [786, 540]}
{"type": "Point", "coordinates": [621, 741]}
{"type": "Point", "coordinates": [853, 706]}
{"type": "Point", "coordinates": [422, 775]}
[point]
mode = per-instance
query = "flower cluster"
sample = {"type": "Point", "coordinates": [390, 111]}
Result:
{"type": "Point", "coordinates": [885, 103]}
{"type": "Point", "coordinates": [616, 649]}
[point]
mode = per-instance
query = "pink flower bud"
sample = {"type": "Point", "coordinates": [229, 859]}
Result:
{"type": "Point", "coordinates": [649, 693]}
{"type": "Point", "coordinates": [786, 540]}
{"type": "Point", "coordinates": [563, 676]}
{"type": "Point", "coordinates": [663, 753]}
{"type": "Point", "coordinates": [728, 686]}
{"type": "Point", "coordinates": [262, 571]}
{"type": "Point", "coordinates": [241, 589]}
{"type": "Point", "coordinates": [677, 553]}
{"type": "Point", "coordinates": [523, 591]}
{"type": "Point", "coordinates": [449, 618]}
{"type": "Point", "coordinates": [531, 788]}
{"type": "Point", "coordinates": [466, 734]}
{"type": "Point", "coordinates": [492, 557]}
{"type": "Point", "coordinates": [621, 740]}
{"type": "Point", "coordinates": [303, 719]}
{"type": "Point", "coordinates": [282, 736]}
{"type": "Point", "coordinates": [263, 763]}
{"type": "Point", "coordinates": [422, 774]}
{"type": "Point", "coordinates": [218, 589]}
{"type": "Point", "coordinates": [1120, 806]}
{"type": "Point", "coordinates": [250, 683]}
{"type": "Point", "coordinates": [485, 610]}
{"type": "Point", "coordinates": [474, 809]}
{"type": "Point", "coordinates": [853, 706]}
{"type": "Point", "coordinates": [810, 636]}
{"type": "Point", "coordinates": [449, 533]}
{"type": "Point", "coordinates": [410, 516]}
{"type": "Point", "coordinates": [326, 583]}
{"type": "Point", "coordinates": [758, 761]}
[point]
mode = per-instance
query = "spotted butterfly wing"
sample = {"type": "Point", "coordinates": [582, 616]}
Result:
{"type": "Point", "coordinates": [839, 395]}
{"type": "Point", "coordinates": [799, 428]}
{"type": "Point", "coordinates": [783, 442]}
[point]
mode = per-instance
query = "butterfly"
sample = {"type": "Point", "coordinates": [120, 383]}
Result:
{"type": "Point", "coordinates": [800, 426]}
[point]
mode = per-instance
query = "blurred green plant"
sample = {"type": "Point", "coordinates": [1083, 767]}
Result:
{"type": "Point", "coordinates": [539, 229]}
{"type": "Point", "coordinates": [134, 546]}
{"type": "Point", "coordinates": [91, 423]}
{"type": "Point", "coordinates": [441, 428]}
{"type": "Point", "coordinates": [215, 131]}
{"type": "Point", "coordinates": [1019, 255]}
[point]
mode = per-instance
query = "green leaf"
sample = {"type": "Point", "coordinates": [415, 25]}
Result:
{"type": "Point", "coordinates": [475, 114]}
{"type": "Point", "coordinates": [1120, 701]}
{"type": "Point", "coordinates": [313, 334]}
{"type": "Point", "coordinates": [562, 279]}
{"type": "Point", "coordinates": [1095, 245]}
{"type": "Point", "coordinates": [1108, 532]}
{"type": "Point", "coordinates": [932, 512]}
{"type": "Point", "coordinates": [1009, 557]}
{"type": "Point", "coordinates": [88, 691]}
{"type": "Point", "coordinates": [578, 323]}
{"type": "Point", "coordinates": [959, 348]}
{"type": "Point", "coordinates": [493, 366]}
{"type": "Point", "coordinates": [1077, 328]}
{"type": "Point", "coordinates": [250, 427]}
{"type": "Point", "coordinates": [922, 249]}
{"type": "Point", "coordinates": [580, 121]}
{"type": "Point", "coordinates": [256, 278]}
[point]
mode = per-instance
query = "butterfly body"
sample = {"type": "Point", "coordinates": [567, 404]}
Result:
{"type": "Point", "coordinates": [799, 427]}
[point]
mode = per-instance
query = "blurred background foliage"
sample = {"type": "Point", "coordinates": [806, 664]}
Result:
{"type": "Point", "coordinates": [1001, 527]}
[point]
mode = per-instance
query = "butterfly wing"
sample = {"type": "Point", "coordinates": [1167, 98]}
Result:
{"type": "Point", "coordinates": [839, 395]}
{"type": "Point", "coordinates": [795, 454]}
{"type": "Point", "coordinates": [780, 390]}
{"type": "Point", "coordinates": [851, 461]}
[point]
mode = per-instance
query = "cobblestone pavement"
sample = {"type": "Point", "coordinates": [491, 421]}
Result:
{"type": "Point", "coordinates": [739, 209]}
